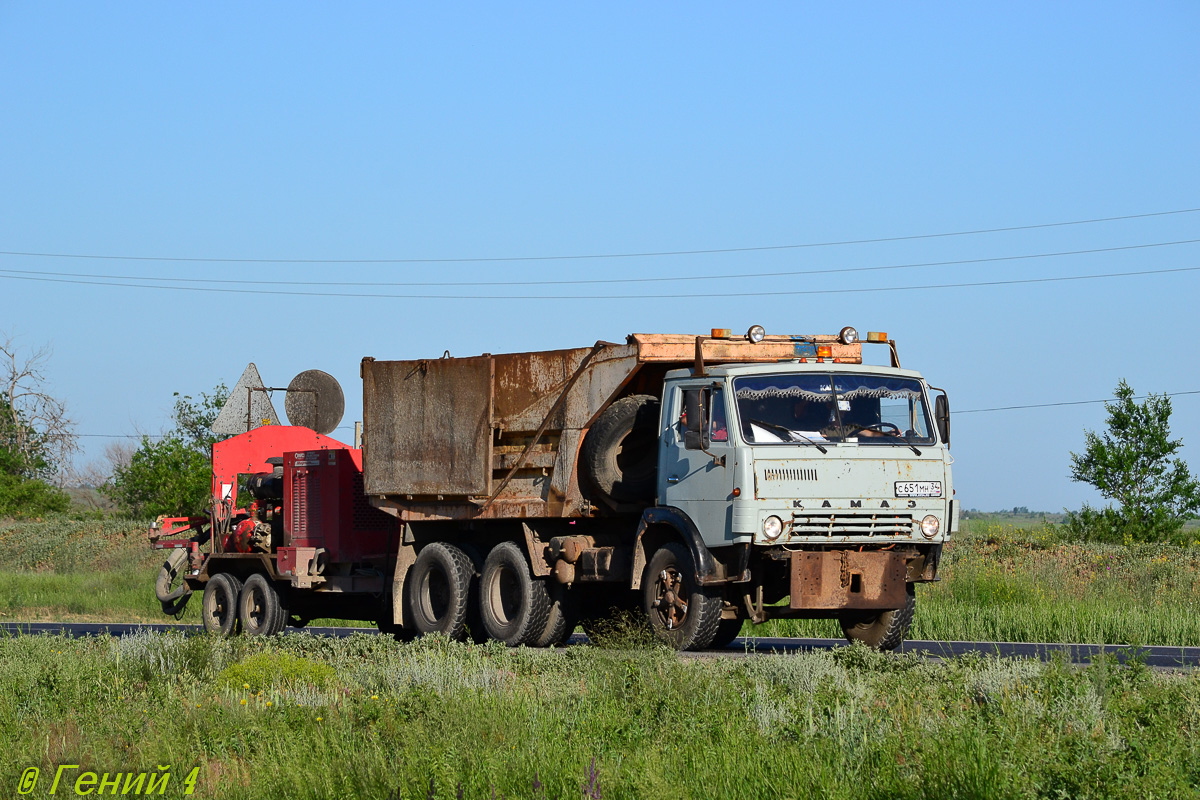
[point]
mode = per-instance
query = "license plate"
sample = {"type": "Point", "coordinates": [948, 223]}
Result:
{"type": "Point", "coordinates": [918, 488]}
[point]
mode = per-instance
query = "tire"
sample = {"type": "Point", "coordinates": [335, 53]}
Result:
{"type": "Point", "coordinates": [620, 451]}
{"type": "Point", "coordinates": [261, 609]}
{"type": "Point", "coordinates": [438, 590]}
{"type": "Point", "coordinates": [219, 606]}
{"type": "Point", "coordinates": [881, 630]}
{"type": "Point", "coordinates": [682, 614]}
{"type": "Point", "coordinates": [475, 630]}
{"type": "Point", "coordinates": [170, 588]}
{"type": "Point", "coordinates": [727, 631]}
{"type": "Point", "coordinates": [563, 617]}
{"type": "Point", "coordinates": [515, 607]}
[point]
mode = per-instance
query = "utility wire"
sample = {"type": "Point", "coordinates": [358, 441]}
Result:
{"type": "Point", "coordinates": [730, 276]}
{"type": "Point", "coordinates": [1068, 403]}
{"type": "Point", "coordinates": [953, 413]}
{"type": "Point", "coordinates": [655, 298]}
{"type": "Point", "coordinates": [649, 254]}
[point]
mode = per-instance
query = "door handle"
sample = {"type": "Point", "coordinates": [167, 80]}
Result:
{"type": "Point", "coordinates": [673, 479]}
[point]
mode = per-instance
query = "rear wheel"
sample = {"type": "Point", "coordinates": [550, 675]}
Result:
{"type": "Point", "coordinates": [682, 614]}
{"type": "Point", "coordinates": [882, 630]}
{"type": "Point", "coordinates": [514, 606]}
{"type": "Point", "coordinates": [261, 608]}
{"type": "Point", "coordinates": [219, 607]}
{"type": "Point", "coordinates": [438, 590]}
{"type": "Point", "coordinates": [562, 619]}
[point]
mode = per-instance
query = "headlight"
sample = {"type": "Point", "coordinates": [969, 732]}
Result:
{"type": "Point", "coordinates": [929, 526]}
{"type": "Point", "coordinates": [772, 527]}
{"type": "Point", "coordinates": [756, 333]}
{"type": "Point", "coordinates": [848, 335]}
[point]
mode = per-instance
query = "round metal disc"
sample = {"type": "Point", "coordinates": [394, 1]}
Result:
{"type": "Point", "coordinates": [314, 400]}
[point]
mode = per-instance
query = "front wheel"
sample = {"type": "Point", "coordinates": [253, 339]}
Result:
{"type": "Point", "coordinates": [682, 613]}
{"type": "Point", "coordinates": [881, 630]}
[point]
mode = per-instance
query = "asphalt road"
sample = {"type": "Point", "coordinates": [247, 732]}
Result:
{"type": "Point", "coordinates": [1153, 656]}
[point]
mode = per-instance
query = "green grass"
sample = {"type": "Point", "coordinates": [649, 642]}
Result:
{"type": "Point", "coordinates": [305, 717]}
{"type": "Point", "coordinates": [1000, 581]}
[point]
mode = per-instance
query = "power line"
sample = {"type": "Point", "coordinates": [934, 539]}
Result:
{"type": "Point", "coordinates": [157, 435]}
{"type": "Point", "coordinates": [968, 411]}
{"type": "Point", "coordinates": [730, 276]}
{"type": "Point", "coordinates": [577, 257]}
{"type": "Point", "coordinates": [655, 298]}
{"type": "Point", "coordinates": [1067, 403]}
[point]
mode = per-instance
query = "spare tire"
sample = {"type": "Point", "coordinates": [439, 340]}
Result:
{"type": "Point", "coordinates": [620, 453]}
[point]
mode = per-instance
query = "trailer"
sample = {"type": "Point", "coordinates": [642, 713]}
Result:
{"type": "Point", "coordinates": [701, 481]}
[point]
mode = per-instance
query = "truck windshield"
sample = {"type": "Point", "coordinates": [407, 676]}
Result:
{"type": "Point", "coordinates": [867, 409]}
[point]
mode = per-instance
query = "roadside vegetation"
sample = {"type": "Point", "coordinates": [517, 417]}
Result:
{"type": "Point", "coordinates": [300, 716]}
{"type": "Point", "coordinates": [1000, 581]}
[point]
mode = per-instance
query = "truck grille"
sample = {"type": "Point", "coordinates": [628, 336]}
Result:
{"type": "Point", "coordinates": [789, 474]}
{"type": "Point", "coordinates": [849, 524]}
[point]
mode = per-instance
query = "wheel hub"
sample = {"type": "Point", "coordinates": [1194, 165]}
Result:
{"type": "Point", "coordinates": [668, 598]}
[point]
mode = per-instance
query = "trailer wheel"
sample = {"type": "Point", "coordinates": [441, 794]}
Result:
{"type": "Point", "coordinates": [881, 630]}
{"type": "Point", "coordinates": [219, 605]}
{"type": "Point", "coordinates": [438, 589]}
{"type": "Point", "coordinates": [261, 608]}
{"type": "Point", "coordinates": [682, 614]}
{"type": "Point", "coordinates": [563, 617]}
{"type": "Point", "coordinates": [514, 606]}
{"type": "Point", "coordinates": [620, 452]}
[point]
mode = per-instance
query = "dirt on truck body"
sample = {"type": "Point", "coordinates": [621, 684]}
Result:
{"type": "Point", "coordinates": [700, 479]}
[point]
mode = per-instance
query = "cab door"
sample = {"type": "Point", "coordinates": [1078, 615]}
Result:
{"type": "Point", "coordinates": [699, 481]}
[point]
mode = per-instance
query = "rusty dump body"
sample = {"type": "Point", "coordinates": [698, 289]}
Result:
{"type": "Point", "coordinates": [498, 436]}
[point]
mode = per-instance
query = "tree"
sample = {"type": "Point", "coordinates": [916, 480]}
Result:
{"type": "Point", "coordinates": [172, 474]}
{"type": "Point", "coordinates": [1131, 463]}
{"type": "Point", "coordinates": [37, 438]}
{"type": "Point", "coordinates": [36, 435]}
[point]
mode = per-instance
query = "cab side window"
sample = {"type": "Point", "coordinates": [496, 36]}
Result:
{"type": "Point", "coordinates": [719, 428]}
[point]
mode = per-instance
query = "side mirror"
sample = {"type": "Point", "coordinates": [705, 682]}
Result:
{"type": "Point", "coordinates": [695, 437]}
{"type": "Point", "coordinates": [941, 415]}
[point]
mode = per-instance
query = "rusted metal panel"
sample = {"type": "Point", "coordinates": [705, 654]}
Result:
{"type": "Point", "coordinates": [848, 579]}
{"type": "Point", "coordinates": [429, 426]}
{"type": "Point", "coordinates": [682, 348]}
{"type": "Point", "coordinates": [529, 384]}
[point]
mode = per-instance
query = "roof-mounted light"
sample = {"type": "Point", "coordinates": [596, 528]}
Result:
{"type": "Point", "coordinates": [876, 336]}
{"type": "Point", "coordinates": [848, 335]}
{"type": "Point", "coordinates": [756, 333]}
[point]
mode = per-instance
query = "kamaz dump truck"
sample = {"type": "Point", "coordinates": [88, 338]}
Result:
{"type": "Point", "coordinates": [701, 480]}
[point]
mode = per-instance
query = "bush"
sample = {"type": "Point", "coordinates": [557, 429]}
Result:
{"type": "Point", "coordinates": [29, 497]}
{"type": "Point", "coordinates": [1131, 463]}
{"type": "Point", "coordinates": [172, 475]}
{"type": "Point", "coordinates": [266, 670]}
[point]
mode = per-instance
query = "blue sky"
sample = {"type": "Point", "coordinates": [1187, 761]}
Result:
{"type": "Point", "coordinates": [385, 131]}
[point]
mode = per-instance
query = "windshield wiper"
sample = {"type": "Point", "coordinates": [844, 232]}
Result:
{"type": "Point", "coordinates": [787, 432]}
